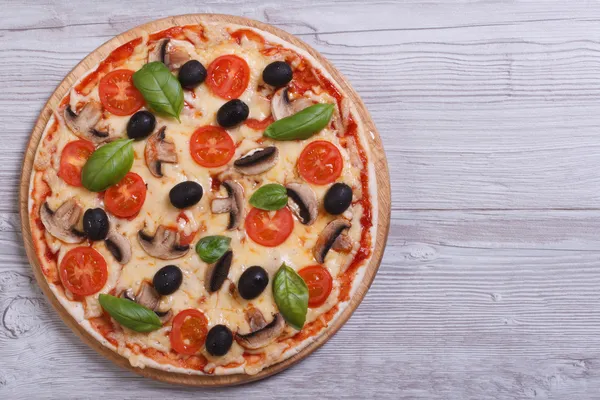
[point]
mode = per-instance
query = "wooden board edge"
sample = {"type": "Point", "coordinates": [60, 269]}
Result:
{"type": "Point", "coordinates": [377, 157]}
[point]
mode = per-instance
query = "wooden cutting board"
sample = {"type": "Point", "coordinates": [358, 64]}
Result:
{"type": "Point", "coordinates": [377, 159]}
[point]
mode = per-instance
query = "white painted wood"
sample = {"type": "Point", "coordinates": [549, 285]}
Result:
{"type": "Point", "coordinates": [490, 114]}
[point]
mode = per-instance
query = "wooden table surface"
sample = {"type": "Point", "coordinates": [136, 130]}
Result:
{"type": "Point", "coordinates": [490, 116]}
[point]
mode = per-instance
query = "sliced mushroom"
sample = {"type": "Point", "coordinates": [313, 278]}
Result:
{"type": "Point", "coordinates": [302, 200]}
{"type": "Point", "coordinates": [233, 204]}
{"type": "Point", "coordinates": [159, 150]}
{"type": "Point", "coordinates": [328, 237]}
{"type": "Point", "coordinates": [343, 244]}
{"type": "Point", "coordinates": [217, 273]}
{"type": "Point", "coordinates": [169, 54]}
{"type": "Point", "coordinates": [164, 316]}
{"type": "Point", "coordinates": [61, 223]}
{"type": "Point", "coordinates": [83, 124]}
{"type": "Point", "coordinates": [128, 294]}
{"type": "Point", "coordinates": [118, 245]}
{"type": "Point", "coordinates": [257, 161]}
{"type": "Point", "coordinates": [147, 296]}
{"type": "Point", "coordinates": [264, 336]}
{"type": "Point", "coordinates": [164, 244]}
{"type": "Point", "coordinates": [255, 319]}
{"type": "Point", "coordinates": [282, 106]}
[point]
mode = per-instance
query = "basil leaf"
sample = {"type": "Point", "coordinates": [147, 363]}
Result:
{"type": "Point", "coordinates": [291, 296]}
{"type": "Point", "coordinates": [301, 125]}
{"type": "Point", "coordinates": [107, 165]}
{"type": "Point", "coordinates": [130, 314]}
{"type": "Point", "coordinates": [211, 248]}
{"type": "Point", "coordinates": [270, 197]}
{"type": "Point", "coordinates": [160, 88]}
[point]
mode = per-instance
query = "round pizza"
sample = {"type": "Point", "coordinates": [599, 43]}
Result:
{"type": "Point", "coordinates": [201, 200]}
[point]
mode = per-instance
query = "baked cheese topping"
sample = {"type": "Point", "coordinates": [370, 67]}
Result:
{"type": "Point", "coordinates": [224, 306]}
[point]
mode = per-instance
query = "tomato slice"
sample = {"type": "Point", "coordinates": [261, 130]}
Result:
{"type": "Point", "coordinates": [72, 160]}
{"type": "Point", "coordinates": [228, 76]}
{"type": "Point", "coordinates": [126, 198]}
{"type": "Point", "coordinates": [319, 282]}
{"type": "Point", "coordinates": [118, 94]}
{"type": "Point", "coordinates": [188, 333]}
{"type": "Point", "coordinates": [211, 146]}
{"type": "Point", "coordinates": [269, 231]}
{"type": "Point", "coordinates": [83, 271]}
{"type": "Point", "coordinates": [320, 163]}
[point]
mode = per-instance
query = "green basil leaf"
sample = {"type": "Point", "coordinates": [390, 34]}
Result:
{"type": "Point", "coordinates": [291, 296]}
{"type": "Point", "coordinates": [270, 197]}
{"type": "Point", "coordinates": [160, 88]}
{"type": "Point", "coordinates": [301, 125]}
{"type": "Point", "coordinates": [211, 248]}
{"type": "Point", "coordinates": [107, 165]}
{"type": "Point", "coordinates": [130, 314]}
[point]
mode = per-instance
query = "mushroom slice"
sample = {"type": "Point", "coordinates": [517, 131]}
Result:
{"type": "Point", "coordinates": [233, 204]}
{"type": "Point", "coordinates": [302, 200]}
{"type": "Point", "coordinates": [159, 150]}
{"type": "Point", "coordinates": [169, 54]}
{"type": "Point", "coordinates": [257, 161]}
{"type": "Point", "coordinates": [61, 223]}
{"type": "Point", "coordinates": [264, 336]}
{"type": "Point", "coordinates": [328, 237]}
{"type": "Point", "coordinates": [164, 316]}
{"type": "Point", "coordinates": [255, 319]}
{"type": "Point", "coordinates": [217, 273]}
{"type": "Point", "coordinates": [82, 124]}
{"type": "Point", "coordinates": [128, 294]}
{"type": "Point", "coordinates": [282, 106]}
{"type": "Point", "coordinates": [159, 51]}
{"type": "Point", "coordinates": [147, 296]}
{"type": "Point", "coordinates": [164, 244]}
{"type": "Point", "coordinates": [118, 245]}
{"type": "Point", "coordinates": [343, 244]}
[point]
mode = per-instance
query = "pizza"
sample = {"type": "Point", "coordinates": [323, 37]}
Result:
{"type": "Point", "coordinates": [202, 201]}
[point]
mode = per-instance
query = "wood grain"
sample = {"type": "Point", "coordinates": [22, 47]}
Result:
{"type": "Point", "coordinates": [489, 114]}
{"type": "Point", "coordinates": [377, 161]}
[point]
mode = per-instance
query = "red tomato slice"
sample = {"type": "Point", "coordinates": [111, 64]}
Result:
{"type": "Point", "coordinates": [83, 271]}
{"type": "Point", "coordinates": [126, 198]}
{"type": "Point", "coordinates": [211, 146]}
{"type": "Point", "coordinates": [228, 76]}
{"type": "Point", "coordinates": [72, 160]}
{"type": "Point", "coordinates": [269, 231]}
{"type": "Point", "coordinates": [189, 331]}
{"type": "Point", "coordinates": [117, 93]}
{"type": "Point", "coordinates": [319, 282]}
{"type": "Point", "coordinates": [320, 163]}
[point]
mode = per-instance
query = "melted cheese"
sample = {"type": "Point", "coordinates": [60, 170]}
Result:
{"type": "Point", "coordinates": [220, 307]}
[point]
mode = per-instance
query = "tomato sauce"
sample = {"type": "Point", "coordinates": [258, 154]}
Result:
{"type": "Point", "coordinates": [249, 34]}
{"type": "Point", "coordinates": [196, 362]}
{"type": "Point", "coordinates": [103, 325]}
{"type": "Point", "coordinates": [116, 58]}
{"type": "Point", "coordinates": [259, 124]}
